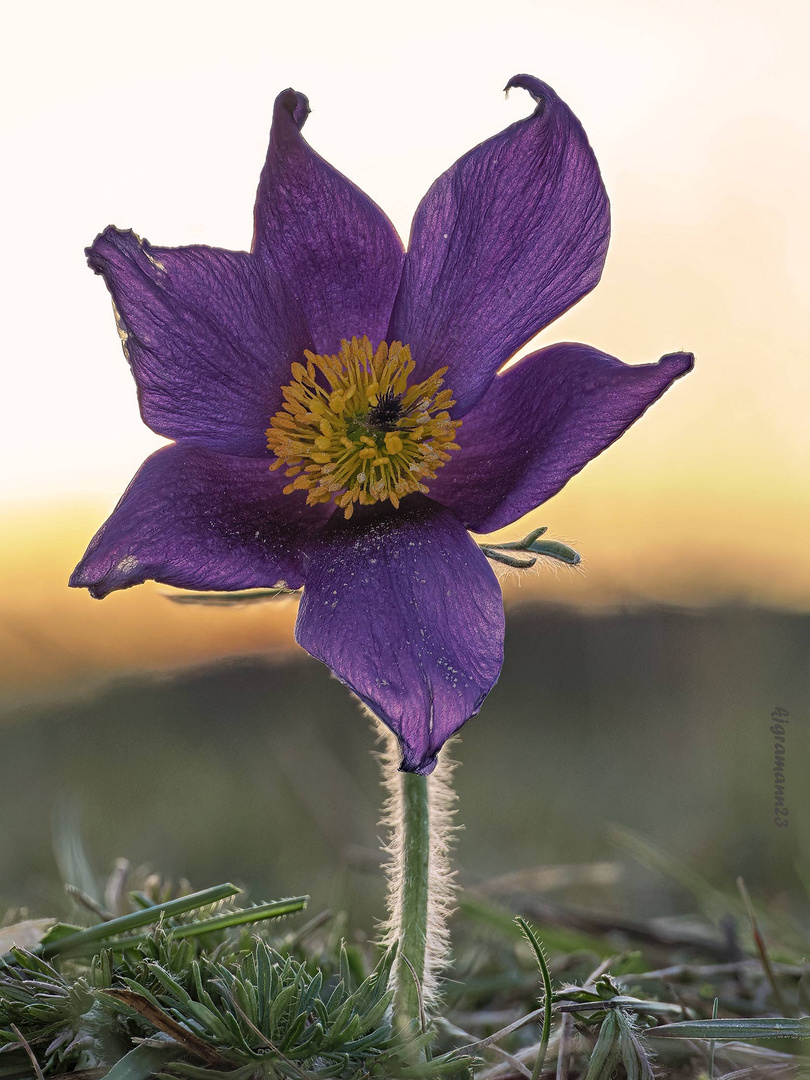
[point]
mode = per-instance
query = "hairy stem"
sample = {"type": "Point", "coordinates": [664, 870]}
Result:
{"type": "Point", "coordinates": [419, 817]}
{"type": "Point", "coordinates": [414, 899]}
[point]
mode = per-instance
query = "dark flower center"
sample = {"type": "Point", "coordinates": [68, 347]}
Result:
{"type": "Point", "coordinates": [387, 411]}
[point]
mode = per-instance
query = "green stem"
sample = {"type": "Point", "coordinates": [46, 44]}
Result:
{"type": "Point", "coordinates": [414, 900]}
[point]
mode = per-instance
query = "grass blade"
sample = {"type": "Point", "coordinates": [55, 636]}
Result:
{"type": "Point", "coordinates": [537, 949]}
{"type": "Point", "coordinates": [762, 948]}
{"type": "Point", "coordinates": [759, 1027]}
{"type": "Point", "coordinates": [715, 1009]}
{"type": "Point", "coordinates": [274, 910]}
{"type": "Point", "coordinates": [97, 937]}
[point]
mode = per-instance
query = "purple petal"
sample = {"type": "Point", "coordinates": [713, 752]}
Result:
{"type": "Point", "coordinates": [506, 240]}
{"type": "Point", "coordinates": [405, 610]}
{"type": "Point", "coordinates": [210, 336]}
{"type": "Point", "coordinates": [337, 250]}
{"type": "Point", "coordinates": [539, 424]}
{"type": "Point", "coordinates": [200, 520]}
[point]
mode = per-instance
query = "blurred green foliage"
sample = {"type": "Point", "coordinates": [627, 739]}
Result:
{"type": "Point", "coordinates": [656, 720]}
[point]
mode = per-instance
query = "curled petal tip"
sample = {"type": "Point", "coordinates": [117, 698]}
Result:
{"type": "Point", "coordinates": [680, 362]}
{"type": "Point", "coordinates": [76, 581]}
{"type": "Point", "coordinates": [539, 91]}
{"type": "Point", "coordinates": [109, 242]}
{"type": "Point", "coordinates": [79, 579]}
{"type": "Point", "coordinates": [295, 103]}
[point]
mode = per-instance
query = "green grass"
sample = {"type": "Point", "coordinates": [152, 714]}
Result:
{"type": "Point", "coordinates": [208, 988]}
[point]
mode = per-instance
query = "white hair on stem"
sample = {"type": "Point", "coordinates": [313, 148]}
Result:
{"type": "Point", "coordinates": [441, 878]}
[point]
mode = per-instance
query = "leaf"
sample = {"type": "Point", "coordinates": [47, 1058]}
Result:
{"type": "Point", "coordinates": [163, 1022]}
{"type": "Point", "coordinates": [274, 910]}
{"type": "Point", "coordinates": [760, 1027]}
{"type": "Point", "coordinates": [28, 960]}
{"type": "Point", "coordinates": [526, 542]}
{"type": "Point", "coordinates": [537, 948]}
{"type": "Point", "coordinates": [60, 930]}
{"type": "Point", "coordinates": [215, 599]}
{"type": "Point", "coordinates": [555, 549]}
{"type": "Point", "coordinates": [194, 1072]}
{"type": "Point", "coordinates": [79, 1074]}
{"type": "Point", "coordinates": [635, 1055]}
{"type": "Point", "coordinates": [143, 1061]}
{"type": "Point", "coordinates": [605, 1056]}
{"type": "Point", "coordinates": [531, 545]}
{"type": "Point", "coordinates": [519, 562]}
{"type": "Point", "coordinates": [90, 940]}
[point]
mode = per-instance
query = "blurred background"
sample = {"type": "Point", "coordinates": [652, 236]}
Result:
{"type": "Point", "coordinates": [636, 693]}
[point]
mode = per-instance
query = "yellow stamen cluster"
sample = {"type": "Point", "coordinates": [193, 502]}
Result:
{"type": "Point", "coordinates": [352, 430]}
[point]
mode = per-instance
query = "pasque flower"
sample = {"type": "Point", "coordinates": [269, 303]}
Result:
{"type": "Point", "coordinates": [337, 415]}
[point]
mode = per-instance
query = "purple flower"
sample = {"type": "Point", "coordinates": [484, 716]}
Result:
{"type": "Point", "coordinates": [337, 416]}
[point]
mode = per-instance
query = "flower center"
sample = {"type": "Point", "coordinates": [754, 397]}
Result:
{"type": "Point", "coordinates": [352, 430]}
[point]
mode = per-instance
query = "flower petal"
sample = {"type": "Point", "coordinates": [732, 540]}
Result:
{"type": "Point", "coordinates": [210, 336]}
{"type": "Point", "coordinates": [405, 610]}
{"type": "Point", "coordinates": [335, 247]}
{"type": "Point", "coordinates": [506, 240]}
{"type": "Point", "coordinates": [539, 424]}
{"type": "Point", "coordinates": [200, 520]}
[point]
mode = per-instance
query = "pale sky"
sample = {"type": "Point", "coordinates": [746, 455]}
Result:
{"type": "Point", "coordinates": [155, 116]}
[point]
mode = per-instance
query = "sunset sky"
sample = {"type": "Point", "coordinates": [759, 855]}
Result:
{"type": "Point", "coordinates": [156, 117]}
